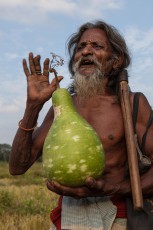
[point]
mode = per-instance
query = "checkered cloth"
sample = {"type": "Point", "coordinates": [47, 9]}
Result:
{"type": "Point", "coordinates": [92, 213]}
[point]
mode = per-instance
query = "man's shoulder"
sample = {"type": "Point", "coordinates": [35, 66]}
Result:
{"type": "Point", "coordinates": [144, 108]}
{"type": "Point", "coordinates": [142, 99]}
{"type": "Point", "coordinates": [140, 106]}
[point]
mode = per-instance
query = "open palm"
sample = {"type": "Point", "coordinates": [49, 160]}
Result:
{"type": "Point", "coordinates": [39, 89]}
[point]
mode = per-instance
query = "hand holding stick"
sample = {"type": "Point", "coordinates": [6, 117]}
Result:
{"type": "Point", "coordinates": [130, 141]}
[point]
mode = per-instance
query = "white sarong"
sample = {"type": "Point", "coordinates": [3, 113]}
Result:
{"type": "Point", "coordinates": [91, 213]}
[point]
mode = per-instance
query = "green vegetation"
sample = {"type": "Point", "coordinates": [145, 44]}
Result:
{"type": "Point", "coordinates": [25, 201]}
{"type": "Point", "coordinates": [5, 150]}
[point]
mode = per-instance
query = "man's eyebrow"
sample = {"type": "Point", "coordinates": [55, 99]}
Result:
{"type": "Point", "coordinates": [82, 43]}
{"type": "Point", "coordinates": [92, 42]}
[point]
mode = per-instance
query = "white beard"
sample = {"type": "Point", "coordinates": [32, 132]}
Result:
{"type": "Point", "coordinates": [91, 85]}
{"type": "Point", "coordinates": [88, 86]}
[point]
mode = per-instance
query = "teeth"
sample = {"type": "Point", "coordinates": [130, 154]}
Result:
{"type": "Point", "coordinates": [87, 62]}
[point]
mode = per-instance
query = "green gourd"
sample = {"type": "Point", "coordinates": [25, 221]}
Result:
{"type": "Point", "coordinates": [72, 150]}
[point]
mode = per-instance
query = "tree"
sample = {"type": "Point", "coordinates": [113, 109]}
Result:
{"type": "Point", "coordinates": [5, 150]}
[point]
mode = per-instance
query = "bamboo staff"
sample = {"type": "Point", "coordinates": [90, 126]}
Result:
{"type": "Point", "coordinates": [130, 141]}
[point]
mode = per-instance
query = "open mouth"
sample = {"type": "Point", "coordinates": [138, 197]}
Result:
{"type": "Point", "coordinates": [87, 63]}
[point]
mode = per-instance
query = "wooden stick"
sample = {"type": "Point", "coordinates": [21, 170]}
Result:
{"type": "Point", "coordinates": [130, 141]}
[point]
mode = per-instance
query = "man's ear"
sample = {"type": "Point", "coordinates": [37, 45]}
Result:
{"type": "Point", "coordinates": [118, 61]}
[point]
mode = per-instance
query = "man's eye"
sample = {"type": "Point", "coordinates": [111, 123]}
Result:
{"type": "Point", "coordinates": [79, 48]}
{"type": "Point", "coordinates": [98, 46]}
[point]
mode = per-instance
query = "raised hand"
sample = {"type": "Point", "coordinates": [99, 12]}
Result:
{"type": "Point", "coordinates": [39, 89]}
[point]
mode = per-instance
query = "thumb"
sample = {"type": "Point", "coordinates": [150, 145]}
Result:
{"type": "Point", "coordinates": [54, 82]}
{"type": "Point", "coordinates": [59, 78]}
{"type": "Point", "coordinates": [96, 184]}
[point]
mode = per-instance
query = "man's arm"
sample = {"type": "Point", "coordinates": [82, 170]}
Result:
{"type": "Point", "coordinates": [27, 145]}
{"type": "Point", "coordinates": [144, 111]}
{"type": "Point", "coordinates": [143, 116]}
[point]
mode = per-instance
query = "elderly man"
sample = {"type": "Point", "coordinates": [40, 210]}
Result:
{"type": "Point", "coordinates": [98, 53]}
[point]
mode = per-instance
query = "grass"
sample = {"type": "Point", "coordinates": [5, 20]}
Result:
{"type": "Point", "coordinates": [25, 201]}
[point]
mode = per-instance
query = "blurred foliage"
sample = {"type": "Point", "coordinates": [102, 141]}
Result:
{"type": "Point", "coordinates": [5, 150]}
{"type": "Point", "coordinates": [25, 201]}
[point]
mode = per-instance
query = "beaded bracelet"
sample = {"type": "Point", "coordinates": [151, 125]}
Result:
{"type": "Point", "coordinates": [19, 124]}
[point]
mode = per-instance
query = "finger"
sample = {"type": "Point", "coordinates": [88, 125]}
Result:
{"type": "Point", "coordinates": [31, 64]}
{"type": "Point", "coordinates": [37, 64]}
{"type": "Point", "coordinates": [56, 187]}
{"type": "Point", "coordinates": [53, 85]}
{"type": "Point", "coordinates": [46, 67]}
{"type": "Point", "coordinates": [79, 192]}
{"type": "Point", "coordinates": [53, 82]}
{"type": "Point", "coordinates": [60, 189]}
{"type": "Point", "coordinates": [25, 67]}
{"type": "Point", "coordinates": [95, 184]}
{"type": "Point", "coordinates": [50, 186]}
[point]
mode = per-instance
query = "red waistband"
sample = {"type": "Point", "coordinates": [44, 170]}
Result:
{"type": "Point", "coordinates": [118, 202]}
{"type": "Point", "coordinates": [56, 214]}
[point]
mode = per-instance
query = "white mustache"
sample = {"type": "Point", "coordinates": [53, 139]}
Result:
{"type": "Point", "coordinates": [88, 58]}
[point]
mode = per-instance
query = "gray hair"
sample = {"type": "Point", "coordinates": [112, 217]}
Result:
{"type": "Point", "coordinates": [115, 39]}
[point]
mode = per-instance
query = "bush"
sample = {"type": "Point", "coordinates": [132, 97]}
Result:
{"type": "Point", "coordinates": [5, 150]}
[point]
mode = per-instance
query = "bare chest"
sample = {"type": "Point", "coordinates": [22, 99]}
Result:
{"type": "Point", "coordinates": [106, 118]}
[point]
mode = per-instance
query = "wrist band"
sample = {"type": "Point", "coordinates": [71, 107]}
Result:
{"type": "Point", "coordinates": [19, 124]}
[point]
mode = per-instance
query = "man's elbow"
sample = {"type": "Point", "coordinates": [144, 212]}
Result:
{"type": "Point", "coordinates": [16, 171]}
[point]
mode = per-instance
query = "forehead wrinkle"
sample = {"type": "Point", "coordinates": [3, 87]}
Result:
{"type": "Point", "coordinates": [90, 41]}
{"type": "Point", "coordinates": [94, 34]}
{"type": "Point", "coordinates": [106, 45]}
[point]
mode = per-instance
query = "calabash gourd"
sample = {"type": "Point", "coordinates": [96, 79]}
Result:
{"type": "Point", "coordinates": [72, 150]}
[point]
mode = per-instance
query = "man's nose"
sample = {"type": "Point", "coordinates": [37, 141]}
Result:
{"type": "Point", "coordinates": [87, 50]}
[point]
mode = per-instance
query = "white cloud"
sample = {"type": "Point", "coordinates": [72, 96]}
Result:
{"type": "Point", "coordinates": [140, 41]}
{"type": "Point", "coordinates": [13, 85]}
{"type": "Point", "coordinates": [34, 12]}
{"type": "Point", "coordinates": [13, 107]}
{"type": "Point", "coordinates": [142, 65]}
{"type": "Point", "coordinates": [14, 92]}
{"type": "Point", "coordinates": [52, 5]}
{"type": "Point", "coordinates": [11, 55]}
{"type": "Point", "coordinates": [141, 45]}
{"type": "Point", "coordinates": [97, 8]}
{"type": "Point", "coordinates": [40, 11]}
{"type": "Point", "coordinates": [139, 86]}
{"type": "Point", "coordinates": [12, 104]}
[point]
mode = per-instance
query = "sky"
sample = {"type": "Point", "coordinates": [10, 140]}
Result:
{"type": "Point", "coordinates": [43, 26]}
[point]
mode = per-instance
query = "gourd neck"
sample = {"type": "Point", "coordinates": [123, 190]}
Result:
{"type": "Point", "coordinates": [62, 102]}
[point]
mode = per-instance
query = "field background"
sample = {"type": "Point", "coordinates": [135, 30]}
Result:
{"type": "Point", "coordinates": [25, 201]}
